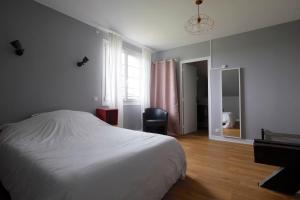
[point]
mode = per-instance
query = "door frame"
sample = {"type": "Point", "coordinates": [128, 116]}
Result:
{"type": "Point", "coordinates": [208, 59]}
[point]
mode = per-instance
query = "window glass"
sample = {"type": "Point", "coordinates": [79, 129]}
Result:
{"type": "Point", "coordinates": [131, 72]}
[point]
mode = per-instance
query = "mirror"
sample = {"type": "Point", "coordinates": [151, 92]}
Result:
{"type": "Point", "coordinates": [231, 103]}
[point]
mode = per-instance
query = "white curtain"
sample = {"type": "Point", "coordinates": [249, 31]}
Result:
{"type": "Point", "coordinates": [112, 94]}
{"type": "Point", "coordinates": [145, 81]}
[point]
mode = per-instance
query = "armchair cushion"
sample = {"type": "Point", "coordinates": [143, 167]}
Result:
{"type": "Point", "coordinates": [155, 120]}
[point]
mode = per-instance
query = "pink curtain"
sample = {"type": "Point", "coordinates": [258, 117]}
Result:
{"type": "Point", "coordinates": [164, 93]}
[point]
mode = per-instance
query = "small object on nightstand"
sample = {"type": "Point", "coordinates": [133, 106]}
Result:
{"type": "Point", "coordinates": [109, 115]}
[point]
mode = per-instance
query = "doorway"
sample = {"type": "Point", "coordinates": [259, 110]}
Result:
{"type": "Point", "coordinates": [195, 96]}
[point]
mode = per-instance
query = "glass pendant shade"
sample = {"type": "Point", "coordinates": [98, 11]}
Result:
{"type": "Point", "coordinates": [199, 24]}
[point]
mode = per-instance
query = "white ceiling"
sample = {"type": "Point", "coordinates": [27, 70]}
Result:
{"type": "Point", "coordinates": [159, 24]}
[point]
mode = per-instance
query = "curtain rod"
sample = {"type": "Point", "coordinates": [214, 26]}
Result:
{"type": "Point", "coordinates": [168, 60]}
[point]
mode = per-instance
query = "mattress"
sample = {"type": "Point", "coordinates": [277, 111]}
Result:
{"type": "Point", "coordinates": [70, 155]}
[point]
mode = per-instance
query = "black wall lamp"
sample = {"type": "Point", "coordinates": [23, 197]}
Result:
{"type": "Point", "coordinates": [81, 63]}
{"type": "Point", "coordinates": [17, 45]}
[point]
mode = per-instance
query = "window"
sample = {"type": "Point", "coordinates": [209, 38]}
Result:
{"type": "Point", "coordinates": [131, 73]}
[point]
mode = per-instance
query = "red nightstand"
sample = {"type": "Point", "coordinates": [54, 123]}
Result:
{"type": "Point", "coordinates": [109, 115]}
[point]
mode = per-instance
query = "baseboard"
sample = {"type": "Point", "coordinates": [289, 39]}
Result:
{"type": "Point", "coordinates": [234, 140]}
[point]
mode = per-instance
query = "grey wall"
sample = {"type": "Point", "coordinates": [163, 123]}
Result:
{"type": "Point", "coordinates": [231, 104]}
{"type": "Point", "coordinates": [132, 117]}
{"type": "Point", "coordinates": [46, 78]}
{"type": "Point", "coordinates": [270, 63]}
{"type": "Point", "coordinates": [230, 83]}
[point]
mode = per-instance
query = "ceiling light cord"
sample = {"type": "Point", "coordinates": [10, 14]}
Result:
{"type": "Point", "coordinates": [199, 18]}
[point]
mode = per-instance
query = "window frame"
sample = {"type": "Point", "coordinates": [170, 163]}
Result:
{"type": "Point", "coordinates": [127, 52]}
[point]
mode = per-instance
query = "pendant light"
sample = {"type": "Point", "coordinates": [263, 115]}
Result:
{"type": "Point", "coordinates": [200, 23]}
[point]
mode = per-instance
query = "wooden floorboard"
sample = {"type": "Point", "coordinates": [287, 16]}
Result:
{"type": "Point", "coordinates": [221, 170]}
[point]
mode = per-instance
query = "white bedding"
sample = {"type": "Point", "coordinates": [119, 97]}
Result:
{"type": "Point", "coordinates": [228, 120]}
{"type": "Point", "coordinates": [68, 155]}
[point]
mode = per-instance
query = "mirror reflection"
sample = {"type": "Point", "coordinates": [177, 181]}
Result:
{"type": "Point", "coordinates": [231, 109]}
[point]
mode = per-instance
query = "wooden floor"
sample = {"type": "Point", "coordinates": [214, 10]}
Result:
{"type": "Point", "coordinates": [221, 170]}
{"type": "Point", "coordinates": [232, 132]}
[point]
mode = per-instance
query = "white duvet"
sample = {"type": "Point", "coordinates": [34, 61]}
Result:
{"type": "Point", "coordinates": [68, 155]}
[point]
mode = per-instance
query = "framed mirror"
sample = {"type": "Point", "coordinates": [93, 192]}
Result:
{"type": "Point", "coordinates": [231, 103]}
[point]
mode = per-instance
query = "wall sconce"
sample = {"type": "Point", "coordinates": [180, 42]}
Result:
{"type": "Point", "coordinates": [17, 45]}
{"type": "Point", "coordinates": [81, 63]}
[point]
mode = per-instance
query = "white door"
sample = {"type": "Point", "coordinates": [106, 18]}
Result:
{"type": "Point", "coordinates": [189, 77]}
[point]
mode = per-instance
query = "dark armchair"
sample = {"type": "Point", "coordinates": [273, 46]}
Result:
{"type": "Point", "coordinates": [155, 120]}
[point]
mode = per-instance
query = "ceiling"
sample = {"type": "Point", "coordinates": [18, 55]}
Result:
{"type": "Point", "coordinates": [159, 24]}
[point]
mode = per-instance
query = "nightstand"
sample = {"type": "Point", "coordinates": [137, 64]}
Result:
{"type": "Point", "coordinates": [109, 115]}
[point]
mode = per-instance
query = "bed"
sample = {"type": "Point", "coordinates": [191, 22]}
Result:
{"type": "Point", "coordinates": [71, 155]}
